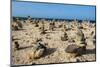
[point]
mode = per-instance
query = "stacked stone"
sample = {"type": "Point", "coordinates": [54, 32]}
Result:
{"type": "Point", "coordinates": [64, 37]}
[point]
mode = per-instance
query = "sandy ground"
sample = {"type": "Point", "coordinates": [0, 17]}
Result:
{"type": "Point", "coordinates": [55, 52]}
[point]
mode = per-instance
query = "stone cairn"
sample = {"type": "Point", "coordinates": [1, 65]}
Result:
{"type": "Point", "coordinates": [80, 38]}
{"type": "Point", "coordinates": [43, 31]}
{"type": "Point", "coordinates": [79, 47]}
{"type": "Point", "coordinates": [17, 25]}
{"type": "Point", "coordinates": [16, 46]}
{"type": "Point", "coordinates": [52, 26]}
{"type": "Point", "coordinates": [65, 28]}
{"type": "Point", "coordinates": [64, 37]}
{"type": "Point", "coordinates": [38, 51]}
{"type": "Point", "coordinates": [36, 23]}
{"type": "Point", "coordinates": [30, 19]}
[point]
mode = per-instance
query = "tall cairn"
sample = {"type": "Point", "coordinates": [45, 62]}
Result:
{"type": "Point", "coordinates": [80, 40]}
{"type": "Point", "coordinates": [52, 25]}
{"type": "Point", "coordinates": [16, 25]}
{"type": "Point", "coordinates": [19, 24]}
{"type": "Point", "coordinates": [42, 28]}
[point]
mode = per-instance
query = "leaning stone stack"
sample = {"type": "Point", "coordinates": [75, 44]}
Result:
{"type": "Point", "coordinates": [80, 39]}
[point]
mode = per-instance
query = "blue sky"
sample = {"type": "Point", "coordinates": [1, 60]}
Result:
{"type": "Point", "coordinates": [59, 11]}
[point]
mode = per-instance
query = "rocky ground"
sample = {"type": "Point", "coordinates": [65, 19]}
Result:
{"type": "Point", "coordinates": [62, 41]}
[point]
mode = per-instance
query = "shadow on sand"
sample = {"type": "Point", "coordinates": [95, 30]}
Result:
{"type": "Point", "coordinates": [21, 48]}
{"type": "Point", "coordinates": [90, 51]}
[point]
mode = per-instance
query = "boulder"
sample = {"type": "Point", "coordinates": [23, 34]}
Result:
{"type": "Point", "coordinates": [76, 50]}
